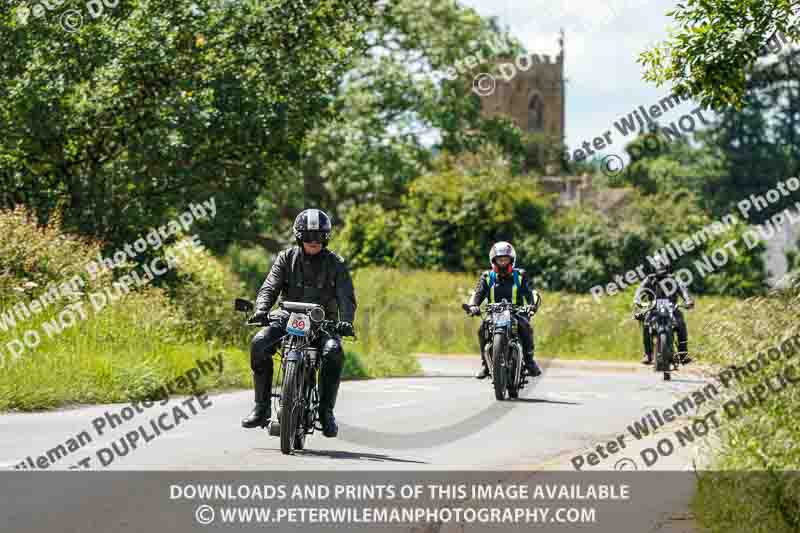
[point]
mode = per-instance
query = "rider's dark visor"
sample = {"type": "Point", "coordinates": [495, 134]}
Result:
{"type": "Point", "coordinates": [314, 236]}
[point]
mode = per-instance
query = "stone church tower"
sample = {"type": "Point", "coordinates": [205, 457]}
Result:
{"type": "Point", "coordinates": [533, 98]}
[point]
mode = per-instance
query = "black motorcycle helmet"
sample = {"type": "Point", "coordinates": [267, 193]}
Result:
{"type": "Point", "coordinates": [312, 225]}
{"type": "Point", "coordinates": [661, 267]}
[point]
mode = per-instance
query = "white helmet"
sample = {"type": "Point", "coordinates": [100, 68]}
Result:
{"type": "Point", "coordinates": [502, 248]}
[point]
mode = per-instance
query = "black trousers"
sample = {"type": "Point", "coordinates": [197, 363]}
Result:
{"type": "Point", "coordinates": [523, 327]}
{"type": "Point", "coordinates": [267, 341]}
{"type": "Point", "coordinates": [683, 335]}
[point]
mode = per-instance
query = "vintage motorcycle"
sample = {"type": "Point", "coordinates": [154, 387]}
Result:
{"type": "Point", "coordinates": [659, 319]}
{"type": "Point", "coordinates": [503, 348]}
{"type": "Point", "coordinates": [301, 360]}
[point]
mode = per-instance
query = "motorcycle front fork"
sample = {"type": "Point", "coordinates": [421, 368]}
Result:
{"type": "Point", "coordinates": [517, 348]}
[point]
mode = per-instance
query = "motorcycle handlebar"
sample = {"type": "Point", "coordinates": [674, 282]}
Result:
{"type": "Point", "coordinates": [326, 324]}
{"type": "Point", "coordinates": [648, 305]}
{"type": "Point", "coordinates": [529, 309]}
{"type": "Point", "coordinates": [644, 310]}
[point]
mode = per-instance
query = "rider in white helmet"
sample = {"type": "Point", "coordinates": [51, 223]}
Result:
{"type": "Point", "coordinates": [504, 281]}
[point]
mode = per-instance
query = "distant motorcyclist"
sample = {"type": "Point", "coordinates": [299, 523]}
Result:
{"type": "Point", "coordinates": [310, 273]}
{"type": "Point", "coordinates": [662, 284]}
{"type": "Point", "coordinates": [504, 281]}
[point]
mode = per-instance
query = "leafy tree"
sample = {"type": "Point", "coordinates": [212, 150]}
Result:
{"type": "Point", "coordinates": [661, 165]}
{"type": "Point", "coordinates": [453, 215]}
{"type": "Point", "coordinates": [744, 152]}
{"type": "Point", "coordinates": [716, 43]}
{"type": "Point", "coordinates": [162, 102]}
{"type": "Point", "coordinates": [752, 161]}
{"type": "Point", "coordinates": [582, 248]}
{"type": "Point", "coordinates": [449, 217]}
{"type": "Point", "coordinates": [397, 101]}
{"type": "Point", "coordinates": [757, 145]}
{"type": "Point", "coordinates": [368, 237]}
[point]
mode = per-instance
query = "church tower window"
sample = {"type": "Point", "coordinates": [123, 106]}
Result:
{"type": "Point", "coordinates": [535, 113]}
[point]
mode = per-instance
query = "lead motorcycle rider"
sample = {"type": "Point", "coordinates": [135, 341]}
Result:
{"type": "Point", "coordinates": [309, 273]}
{"type": "Point", "coordinates": [504, 281]}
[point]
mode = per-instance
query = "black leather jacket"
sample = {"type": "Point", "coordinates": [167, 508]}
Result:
{"type": "Point", "coordinates": [663, 287]}
{"type": "Point", "coordinates": [332, 288]}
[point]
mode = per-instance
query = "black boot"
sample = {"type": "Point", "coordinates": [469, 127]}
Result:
{"type": "Point", "coordinates": [261, 413]}
{"type": "Point", "coordinates": [531, 366]}
{"type": "Point", "coordinates": [258, 417]}
{"type": "Point", "coordinates": [647, 359]}
{"type": "Point", "coordinates": [683, 352]}
{"type": "Point", "coordinates": [329, 427]}
{"type": "Point", "coordinates": [328, 391]}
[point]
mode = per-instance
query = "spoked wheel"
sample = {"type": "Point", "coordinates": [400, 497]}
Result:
{"type": "Point", "coordinates": [499, 369]}
{"type": "Point", "coordinates": [307, 417]}
{"type": "Point", "coordinates": [300, 440]}
{"type": "Point", "coordinates": [291, 408]}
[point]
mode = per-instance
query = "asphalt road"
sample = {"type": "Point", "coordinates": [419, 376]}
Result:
{"type": "Point", "coordinates": [444, 421]}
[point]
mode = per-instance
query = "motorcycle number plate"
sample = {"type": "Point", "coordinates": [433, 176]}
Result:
{"type": "Point", "coordinates": [502, 319]}
{"type": "Point", "coordinates": [299, 324]}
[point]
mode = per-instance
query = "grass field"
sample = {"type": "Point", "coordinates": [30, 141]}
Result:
{"type": "Point", "coordinates": [121, 351]}
{"type": "Point", "coordinates": [421, 312]}
{"type": "Point", "coordinates": [131, 347]}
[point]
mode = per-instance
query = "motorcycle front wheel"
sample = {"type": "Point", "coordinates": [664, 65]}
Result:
{"type": "Point", "coordinates": [664, 355]}
{"type": "Point", "coordinates": [499, 357]}
{"type": "Point", "coordinates": [291, 406]}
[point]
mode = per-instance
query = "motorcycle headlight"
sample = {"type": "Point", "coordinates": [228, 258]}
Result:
{"type": "Point", "coordinates": [317, 314]}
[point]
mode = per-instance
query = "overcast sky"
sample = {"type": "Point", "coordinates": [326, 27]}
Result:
{"type": "Point", "coordinates": [603, 40]}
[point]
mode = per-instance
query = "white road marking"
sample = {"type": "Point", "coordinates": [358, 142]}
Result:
{"type": "Point", "coordinates": [395, 388]}
{"type": "Point", "coordinates": [400, 404]}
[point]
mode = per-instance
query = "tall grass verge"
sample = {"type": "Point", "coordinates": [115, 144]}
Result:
{"type": "Point", "coordinates": [756, 487]}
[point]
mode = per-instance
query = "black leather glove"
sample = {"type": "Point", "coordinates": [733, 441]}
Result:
{"type": "Point", "coordinates": [260, 317]}
{"type": "Point", "coordinates": [474, 310]}
{"type": "Point", "coordinates": [345, 329]}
